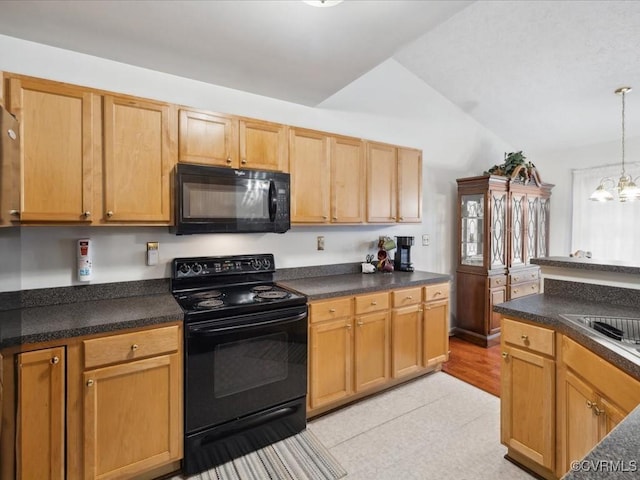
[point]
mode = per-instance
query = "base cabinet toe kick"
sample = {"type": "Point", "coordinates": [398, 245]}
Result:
{"type": "Point", "coordinates": [558, 399]}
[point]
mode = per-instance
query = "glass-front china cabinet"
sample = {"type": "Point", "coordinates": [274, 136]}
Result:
{"type": "Point", "coordinates": [502, 224]}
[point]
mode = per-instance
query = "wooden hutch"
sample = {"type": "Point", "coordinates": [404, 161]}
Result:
{"type": "Point", "coordinates": [502, 224]}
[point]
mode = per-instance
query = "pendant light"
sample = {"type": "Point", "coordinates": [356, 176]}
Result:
{"type": "Point", "coordinates": [626, 188]}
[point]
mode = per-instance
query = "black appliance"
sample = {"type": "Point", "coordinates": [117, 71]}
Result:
{"type": "Point", "coordinates": [402, 259]}
{"type": "Point", "coordinates": [225, 200]}
{"type": "Point", "coordinates": [245, 357]}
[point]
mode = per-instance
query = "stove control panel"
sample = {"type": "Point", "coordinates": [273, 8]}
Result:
{"type": "Point", "coordinates": [198, 267]}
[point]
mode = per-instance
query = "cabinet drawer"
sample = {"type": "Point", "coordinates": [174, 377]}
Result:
{"type": "Point", "coordinates": [407, 296]}
{"type": "Point", "coordinates": [436, 292]}
{"type": "Point", "coordinates": [524, 276]}
{"type": "Point", "coordinates": [528, 336]}
{"type": "Point", "coordinates": [524, 289]}
{"type": "Point", "coordinates": [498, 281]}
{"type": "Point", "coordinates": [130, 346]}
{"type": "Point", "coordinates": [372, 303]}
{"type": "Point", "coordinates": [330, 309]}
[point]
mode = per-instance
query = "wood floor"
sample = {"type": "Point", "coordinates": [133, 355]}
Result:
{"type": "Point", "coordinates": [473, 364]}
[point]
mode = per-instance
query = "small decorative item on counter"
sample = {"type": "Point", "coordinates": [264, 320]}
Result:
{"type": "Point", "coordinates": [368, 268]}
{"type": "Point", "coordinates": [580, 254]}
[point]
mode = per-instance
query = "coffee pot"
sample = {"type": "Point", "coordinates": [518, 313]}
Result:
{"type": "Point", "coordinates": [402, 260]}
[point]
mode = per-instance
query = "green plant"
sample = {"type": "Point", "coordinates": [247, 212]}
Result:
{"type": "Point", "coordinates": [515, 166]}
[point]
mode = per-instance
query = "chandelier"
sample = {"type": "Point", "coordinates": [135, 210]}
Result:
{"type": "Point", "coordinates": [626, 187]}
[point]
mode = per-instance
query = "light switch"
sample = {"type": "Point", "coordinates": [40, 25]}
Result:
{"type": "Point", "coordinates": [426, 240]}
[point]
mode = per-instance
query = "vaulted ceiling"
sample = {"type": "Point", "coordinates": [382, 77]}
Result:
{"type": "Point", "coordinates": [540, 74]}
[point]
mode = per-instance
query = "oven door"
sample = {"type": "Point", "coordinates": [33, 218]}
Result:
{"type": "Point", "coordinates": [241, 365]}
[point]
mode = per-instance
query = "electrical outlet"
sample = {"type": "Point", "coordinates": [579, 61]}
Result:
{"type": "Point", "coordinates": [426, 240]}
{"type": "Point", "coordinates": [152, 253]}
{"type": "Point", "coordinates": [320, 243]}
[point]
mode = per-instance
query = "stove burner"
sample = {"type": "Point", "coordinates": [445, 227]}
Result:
{"type": "Point", "coordinates": [261, 288]}
{"type": "Point", "coordinates": [272, 295]}
{"type": "Point", "coordinates": [206, 304]}
{"type": "Point", "coordinates": [207, 294]}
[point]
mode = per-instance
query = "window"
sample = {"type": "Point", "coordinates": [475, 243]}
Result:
{"type": "Point", "coordinates": [610, 230]}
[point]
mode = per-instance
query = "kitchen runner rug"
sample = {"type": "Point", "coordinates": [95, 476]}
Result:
{"type": "Point", "coordinates": [300, 457]}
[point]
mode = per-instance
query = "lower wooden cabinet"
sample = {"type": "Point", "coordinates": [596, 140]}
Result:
{"type": "Point", "coordinates": [95, 408]}
{"type": "Point", "coordinates": [41, 414]}
{"type": "Point", "coordinates": [558, 399]}
{"type": "Point", "coordinates": [363, 344]}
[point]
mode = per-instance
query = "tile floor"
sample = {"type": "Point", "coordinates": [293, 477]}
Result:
{"type": "Point", "coordinates": [436, 427]}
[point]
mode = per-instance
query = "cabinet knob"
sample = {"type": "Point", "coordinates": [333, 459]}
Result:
{"type": "Point", "coordinates": [228, 159]}
{"type": "Point", "coordinates": [55, 360]}
{"type": "Point", "coordinates": [335, 218]}
{"type": "Point", "coordinates": [374, 303]}
{"type": "Point", "coordinates": [596, 410]}
{"type": "Point", "coordinates": [401, 218]}
{"type": "Point", "coordinates": [533, 275]}
{"type": "Point", "coordinates": [348, 326]}
{"type": "Point", "coordinates": [524, 338]}
{"type": "Point", "coordinates": [360, 322]}
{"type": "Point", "coordinates": [332, 310]}
{"type": "Point", "coordinates": [134, 347]}
{"type": "Point", "coordinates": [515, 279]}
{"type": "Point", "coordinates": [109, 213]}
{"type": "Point", "coordinates": [15, 213]}
{"type": "Point", "coordinates": [498, 281]}
{"type": "Point", "coordinates": [86, 214]}
{"type": "Point", "coordinates": [533, 287]}
{"type": "Point", "coordinates": [89, 383]}
{"type": "Point", "coordinates": [324, 217]}
{"type": "Point", "coordinates": [515, 290]}
{"type": "Point", "coordinates": [244, 160]}
{"type": "Point", "coordinates": [408, 297]}
{"type": "Point", "coordinates": [505, 354]}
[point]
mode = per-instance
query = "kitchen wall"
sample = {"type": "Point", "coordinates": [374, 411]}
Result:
{"type": "Point", "coordinates": [387, 104]}
{"type": "Point", "coordinates": [556, 167]}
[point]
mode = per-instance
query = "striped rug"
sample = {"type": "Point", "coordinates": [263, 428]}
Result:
{"type": "Point", "coordinates": [300, 457]}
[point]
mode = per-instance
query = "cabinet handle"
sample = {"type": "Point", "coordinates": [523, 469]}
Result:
{"type": "Point", "coordinates": [515, 279]}
{"type": "Point", "coordinates": [335, 218]}
{"type": "Point", "coordinates": [89, 383]}
{"type": "Point", "coordinates": [134, 347]}
{"type": "Point", "coordinates": [408, 297]}
{"type": "Point", "coordinates": [589, 404]}
{"type": "Point", "coordinates": [324, 217]}
{"type": "Point", "coordinates": [505, 354]}
{"type": "Point", "coordinates": [229, 160]}
{"type": "Point", "coordinates": [244, 160]}
{"type": "Point", "coordinates": [498, 281]}
{"type": "Point", "coordinates": [533, 287]}
{"type": "Point", "coordinates": [54, 360]}
{"type": "Point", "coordinates": [515, 290]}
{"type": "Point", "coordinates": [332, 310]}
{"type": "Point", "coordinates": [533, 275]}
{"type": "Point", "coordinates": [348, 326]}
{"type": "Point", "coordinates": [596, 410]}
{"type": "Point", "coordinates": [15, 213]}
{"type": "Point", "coordinates": [110, 213]}
{"type": "Point", "coordinates": [374, 303]}
{"type": "Point", "coordinates": [437, 293]}
{"type": "Point", "coordinates": [524, 338]}
{"type": "Point", "coordinates": [86, 214]}
{"type": "Point", "coordinates": [360, 323]}
{"type": "Point", "coordinates": [401, 218]}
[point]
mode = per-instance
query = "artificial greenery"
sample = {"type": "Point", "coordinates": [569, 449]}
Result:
{"type": "Point", "coordinates": [515, 166]}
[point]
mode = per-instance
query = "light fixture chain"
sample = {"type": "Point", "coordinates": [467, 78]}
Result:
{"type": "Point", "coordinates": [623, 95]}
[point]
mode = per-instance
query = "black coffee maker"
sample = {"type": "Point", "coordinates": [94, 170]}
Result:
{"type": "Point", "coordinates": [402, 260]}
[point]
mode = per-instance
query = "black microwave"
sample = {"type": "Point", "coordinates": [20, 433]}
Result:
{"type": "Point", "coordinates": [224, 200]}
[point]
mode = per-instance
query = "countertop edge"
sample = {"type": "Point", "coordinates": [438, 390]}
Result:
{"type": "Point", "coordinates": [586, 264]}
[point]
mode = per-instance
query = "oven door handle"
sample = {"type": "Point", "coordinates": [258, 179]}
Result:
{"type": "Point", "coordinates": [211, 331]}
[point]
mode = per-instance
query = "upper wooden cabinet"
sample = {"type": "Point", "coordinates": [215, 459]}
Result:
{"type": "Point", "coordinates": [9, 168]}
{"type": "Point", "coordinates": [224, 140]}
{"type": "Point", "coordinates": [309, 164]}
{"type": "Point", "coordinates": [263, 145]}
{"type": "Point", "coordinates": [137, 160]}
{"type": "Point", "coordinates": [327, 177]}
{"type": "Point", "coordinates": [57, 149]}
{"type": "Point", "coordinates": [208, 138]}
{"type": "Point", "coordinates": [394, 184]}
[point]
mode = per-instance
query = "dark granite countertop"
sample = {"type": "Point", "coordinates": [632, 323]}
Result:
{"type": "Point", "coordinates": [599, 265]}
{"type": "Point", "coordinates": [622, 446]}
{"type": "Point", "coordinates": [54, 322]}
{"type": "Point", "coordinates": [328, 286]}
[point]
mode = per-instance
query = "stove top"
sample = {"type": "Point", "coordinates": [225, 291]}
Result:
{"type": "Point", "coordinates": [219, 287]}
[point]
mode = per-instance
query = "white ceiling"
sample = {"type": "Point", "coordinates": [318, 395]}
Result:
{"type": "Point", "coordinates": [540, 74]}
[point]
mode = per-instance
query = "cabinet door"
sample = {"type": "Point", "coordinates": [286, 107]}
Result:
{"type": "Point", "coordinates": [610, 416]}
{"type": "Point", "coordinates": [436, 332]}
{"type": "Point", "coordinates": [531, 229]}
{"type": "Point", "coordinates": [9, 167]}
{"type": "Point", "coordinates": [409, 185]}
{"type": "Point", "coordinates": [542, 244]}
{"type": "Point", "coordinates": [517, 224]}
{"type": "Point", "coordinates": [527, 405]}
{"type": "Point", "coordinates": [406, 340]}
{"type": "Point", "coordinates": [580, 425]}
{"type": "Point", "coordinates": [347, 180]}
{"type": "Point", "coordinates": [497, 242]}
{"type": "Point", "coordinates": [381, 183]}
{"type": "Point", "coordinates": [132, 417]}
{"type": "Point", "coordinates": [372, 350]}
{"type": "Point", "coordinates": [137, 160]}
{"type": "Point", "coordinates": [496, 295]}
{"type": "Point", "coordinates": [208, 139]}
{"type": "Point", "coordinates": [309, 156]}
{"type": "Point", "coordinates": [41, 412]}
{"type": "Point", "coordinates": [330, 362]}
{"type": "Point", "coordinates": [263, 145]}
{"type": "Point", "coordinates": [57, 150]}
